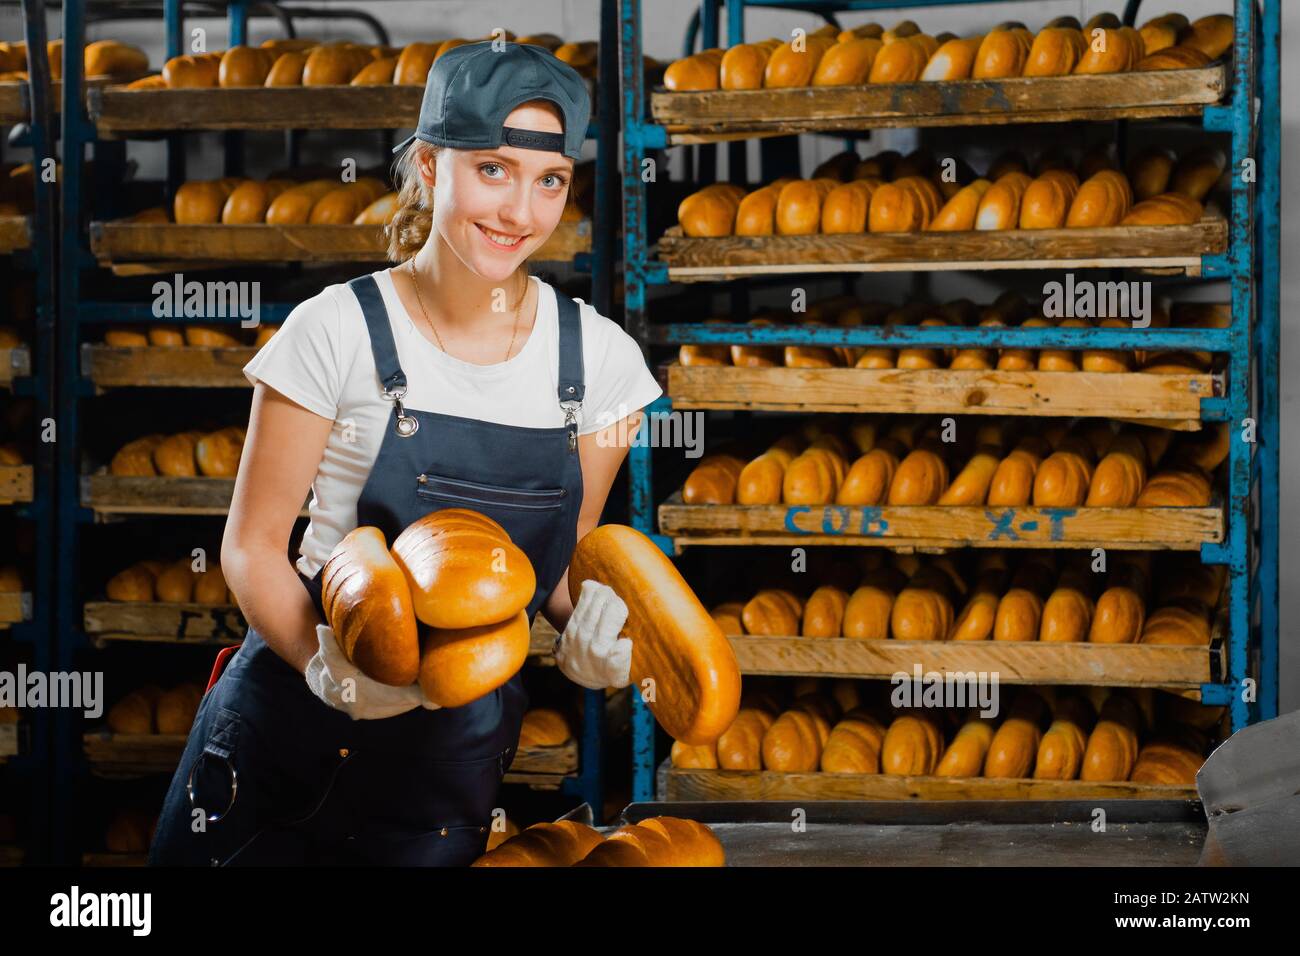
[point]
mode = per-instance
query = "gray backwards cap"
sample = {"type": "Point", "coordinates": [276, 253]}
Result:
{"type": "Point", "coordinates": [473, 88]}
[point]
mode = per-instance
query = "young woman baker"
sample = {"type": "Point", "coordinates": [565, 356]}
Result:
{"type": "Point", "coordinates": [454, 379]}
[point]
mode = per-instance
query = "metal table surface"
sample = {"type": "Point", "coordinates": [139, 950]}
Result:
{"type": "Point", "coordinates": [947, 833]}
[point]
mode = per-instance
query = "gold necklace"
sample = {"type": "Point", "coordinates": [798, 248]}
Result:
{"type": "Point", "coordinates": [418, 298]}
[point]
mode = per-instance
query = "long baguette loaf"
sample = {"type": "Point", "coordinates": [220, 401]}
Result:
{"type": "Point", "coordinates": [675, 641]}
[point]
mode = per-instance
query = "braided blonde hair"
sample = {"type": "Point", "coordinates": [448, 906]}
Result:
{"type": "Point", "coordinates": [411, 224]}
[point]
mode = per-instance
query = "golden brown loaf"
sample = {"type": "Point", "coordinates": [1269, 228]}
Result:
{"type": "Point", "coordinates": [545, 844]}
{"type": "Point", "coordinates": [1167, 209]}
{"type": "Point", "coordinates": [659, 841]}
{"type": "Point", "coordinates": [1060, 753]}
{"type": "Point", "coordinates": [693, 756]}
{"type": "Point", "coordinates": [700, 71]}
{"type": "Point", "coordinates": [854, 745]}
{"type": "Point", "coordinates": [867, 614]}
{"type": "Point", "coordinates": [922, 611]}
{"type": "Point", "coordinates": [760, 481]}
{"type": "Point", "coordinates": [847, 63]}
{"type": "Point", "coordinates": [913, 745]}
{"type": "Point", "coordinates": [1046, 201]}
{"type": "Point", "coordinates": [675, 642]}
{"type": "Point", "coordinates": [136, 457]}
{"type": "Point", "coordinates": [1103, 200]}
{"type": "Point", "coordinates": [823, 614]}
{"type": "Point", "coordinates": [966, 754]}
{"type": "Point", "coordinates": [868, 481]}
{"type": "Point", "coordinates": [1055, 52]}
{"type": "Point", "coordinates": [1013, 748]}
{"type": "Point", "coordinates": [953, 60]}
{"type": "Point", "coordinates": [175, 709]}
{"type": "Point", "coordinates": [921, 479]}
{"type": "Point", "coordinates": [1166, 763]}
{"type": "Point", "coordinates": [794, 741]}
{"type": "Point", "coordinates": [1113, 744]}
{"type": "Point", "coordinates": [217, 453]}
{"type": "Point", "coordinates": [741, 745]}
{"type": "Point", "coordinates": [742, 65]}
{"type": "Point", "coordinates": [460, 665]}
{"type": "Point", "coordinates": [727, 617]}
{"type": "Point", "coordinates": [210, 586]}
{"type": "Point", "coordinates": [900, 61]}
{"type": "Point", "coordinates": [244, 66]}
{"type": "Point", "coordinates": [1002, 54]}
{"type": "Point", "coordinates": [1182, 488]}
{"type": "Point", "coordinates": [1067, 615]}
{"type": "Point", "coordinates": [710, 211]}
{"type": "Point", "coordinates": [713, 481]}
{"type": "Point", "coordinates": [1189, 626]}
{"type": "Point", "coordinates": [367, 602]}
{"type": "Point", "coordinates": [771, 613]}
{"type": "Point", "coordinates": [1210, 35]}
{"type": "Point", "coordinates": [130, 584]}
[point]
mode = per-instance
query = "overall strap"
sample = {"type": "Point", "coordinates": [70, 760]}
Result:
{"type": "Point", "coordinates": [572, 385]}
{"type": "Point", "coordinates": [371, 300]}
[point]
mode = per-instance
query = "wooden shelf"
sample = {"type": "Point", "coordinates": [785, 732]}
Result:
{"type": "Point", "coordinates": [1170, 399]}
{"type": "Point", "coordinates": [133, 753]}
{"type": "Point", "coordinates": [555, 761]}
{"type": "Point", "coordinates": [8, 741]}
{"type": "Point", "coordinates": [216, 624]}
{"type": "Point", "coordinates": [714, 116]}
{"type": "Point", "coordinates": [135, 242]}
{"type": "Point", "coordinates": [15, 607]}
{"type": "Point", "coordinates": [16, 482]}
{"type": "Point", "coordinates": [689, 785]}
{"type": "Point", "coordinates": [1175, 249]}
{"type": "Point", "coordinates": [15, 233]}
{"type": "Point", "coordinates": [14, 107]}
{"type": "Point", "coordinates": [14, 363]}
{"type": "Point", "coordinates": [156, 495]}
{"type": "Point", "coordinates": [1015, 662]}
{"type": "Point", "coordinates": [936, 526]}
{"type": "Point", "coordinates": [154, 367]}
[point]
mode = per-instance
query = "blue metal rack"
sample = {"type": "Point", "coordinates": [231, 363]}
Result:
{"type": "Point", "coordinates": [33, 762]}
{"type": "Point", "coordinates": [1250, 266]}
{"type": "Point", "coordinates": [76, 310]}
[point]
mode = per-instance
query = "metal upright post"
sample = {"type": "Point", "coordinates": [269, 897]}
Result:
{"type": "Point", "coordinates": [174, 27]}
{"type": "Point", "coordinates": [236, 35]}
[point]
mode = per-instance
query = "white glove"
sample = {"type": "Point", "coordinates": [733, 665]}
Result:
{"type": "Point", "coordinates": [590, 651]}
{"type": "Point", "coordinates": [342, 685]}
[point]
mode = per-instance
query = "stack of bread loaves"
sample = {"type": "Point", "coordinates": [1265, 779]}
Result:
{"type": "Point", "coordinates": [185, 454]}
{"type": "Point", "coordinates": [193, 335]}
{"type": "Point", "coordinates": [457, 573]}
{"type": "Point", "coordinates": [1046, 733]}
{"type": "Point", "coordinates": [1001, 598]}
{"type": "Point", "coordinates": [151, 710]}
{"type": "Point", "coordinates": [904, 461]}
{"type": "Point", "coordinates": [169, 581]}
{"type": "Point", "coordinates": [102, 58]}
{"type": "Point", "coordinates": [658, 841]}
{"type": "Point", "coordinates": [892, 193]}
{"type": "Point", "coordinates": [829, 56]}
{"type": "Point", "coordinates": [277, 202]}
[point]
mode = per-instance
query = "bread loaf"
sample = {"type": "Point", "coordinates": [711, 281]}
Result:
{"type": "Point", "coordinates": [788, 66]}
{"type": "Point", "coordinates": [954, 60]}
{"type": "Point", "coordinates": [1182, 488]}
{"type": "Point", "coordinates": [217, 453]}
{"type": "Point", "coordinates": [545, 844]}
{"type": "Point", "coordinates": [367, 602]}
{"type": "Point", "coordinates": [976, 621]}
{"type": "Point", "coordinates": [675, 641]}
{"type": "Point", "coordinates": [1112, 745]}
{"type": "Point", "coordinates": [294, 205]}
{"type": "Point", "coordinates": [869, 479]}
{"type": "Point", "coordinates": [1013, 482]}
{"type": "Point", "coordinates": [1000, 207]}
{"type": "Point", "coordinates": [713, 481]}
{"type": "Point", "coordinates": [693, 756]}
{"type": "Point", "coordinates": [1060, 753]}
{"type": "Point", "coordinates": [867, 613]}
{"type": "Point", "coordinates": [799, 206]}
{"type": "Point", "coordinates": [1119, 476]}
{"type": "Point", "coordinates": [921, 479]}
{"type": "Point", "coordinates": [136, 457]}
{"type": "Point", "coordinates": [793, 744]}
{"type": "Point", "coordinates": [210, 586]}
{"type": "Point", "coordinates": [971, 485]}
{"type": "Point", "coordinates": [199, 202]}
{"type": "Point", "coordinates": [845, 208]}
{"type": "Point", "coordinates": [913, 746]}
{"type": "Point", "coordinates": [1067, 614]}
{"type": "Point", "coordinates": [1210, 35]}
{"type": "Point", "coordinates": [174, 455]}
{"type": "Point", "coordinates": [710, 211]}
{"type": "Point", "coordinates": [1062, 481]}
{"type": "Point", "coordinates": [661, 841]}
{"type": "Point", "coordinates": [756, 214]}
{"type": "Point", "coordinates": [175, 709]}
{"type": "Point", "coordinates": [1118, 616]}
{"type": "Point", "coordinates": [1046, 201]}
{"type": "Point", "coordinates": [823, 614]}
{"type": "Point", "coordinates": [1189, 626]}
{"type": "Point", "coordinates": [813, 478]}
{"type": "Point", "coordinates": [242, 66]}
{"type": "Point", "coordinates": [899, 61]}
{"type": "Point", "coordinates": [1149, 172]}
{"type": "Point", "coordinates": [854, 745]}
{"type": "Point", "coordinates": [1002, 53]}
{"type": "Point", "coordinates": [1110, 51]}
{"type": "Point", "coordinates": [741, 745]}
{"type": "Point", "coordinates": [1013, 748]}
{"type": "Point", "coordinates": [1019, 616]}
{"type": "Point", "coordinates": [771, 613]}
{"type": "Point", "coordinates": [463, 570]}
{"type": "Point", "coordinates": [966, 754]}
{"type": "Point", "coordinates": [378, 72]}
{"type": "Point", "coordinates": [130, 584]}
{"type": "Point", "coordinates": [742, 65]}
{"type": "Point", "coordinates": [1055, 52]}
{"type": "Point", "coordinates": [958, 213]}
{"type": "Point", "coordinates": [1166, 763]}
{"type": "Point", "coordinates": [847, 63]}
{"type": "Point", "coordinates": [922, 611]}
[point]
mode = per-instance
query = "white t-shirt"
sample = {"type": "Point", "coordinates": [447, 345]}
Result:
{"type": "Point", "coordinates": [321, 359]}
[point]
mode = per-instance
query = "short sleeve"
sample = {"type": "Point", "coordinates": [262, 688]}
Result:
{"type": "Point", "coordinates": [618, 381]}
{"type": "Point", "coordinates": [302, 359]}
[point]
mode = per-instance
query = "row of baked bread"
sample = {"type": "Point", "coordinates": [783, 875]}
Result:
{"type": "Point", "coordinates": [910, 599]}
{"type": "Point", "coordinates": [175, 580]}
{"type": "Point", "coordinates": [829, 56]}
{"type": "Point", "coordinates": [102, 58]}
{"type": "Point", "coordinates": [904, 462]}
{"type": "Point", "coordinates": [152, 710]}
{"type": "Point", "coordinates": [213, 454]}
{"type": "Point", "coordinates": [1059, 197]}
{"type": "Point", "coordinates": [307, 62]}
{"type": "Point", "coordinates": [1045, 734]}
{"type": "Point", "coordinates": [193, 335]}
{"type": "Point", "coordinates": [280, 202]}
{"type": "Point", "coordinates": [658, 841]}
{"type": "Point", "coordinates": [1010, 309]}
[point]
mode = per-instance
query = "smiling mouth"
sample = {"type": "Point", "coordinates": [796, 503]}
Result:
{"type": "Point", "coordinates": [503, 240]}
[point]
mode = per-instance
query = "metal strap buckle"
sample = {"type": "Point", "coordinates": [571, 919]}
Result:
{"type": "Point", "coordinates": [407, 425]}
{"type": "Point", "coordinates": [234, 787]}
{"type": "Point", "coordinates": [570, 419]}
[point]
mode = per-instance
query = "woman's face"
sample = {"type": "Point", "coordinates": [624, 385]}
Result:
{"type": "Point", "coordinates": [495, 207]}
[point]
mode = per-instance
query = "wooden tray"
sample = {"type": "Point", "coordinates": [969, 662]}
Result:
{"type": "Point", "coordinates": [15, 233]}
{"type": "Point", "coordinates": [936, 526]}
{"type": "Point", "coordinates": [148, 366]}
{"type": "Point", "coordinates": [116, 110]}
{"type": "Point", "coordinates": [157, 495]}
{"type": "Point", "coordinates": [680, 785]}
{"type": "Point", "coordinates": [14, 107]}
{"type": "Point", "coordinates": [14, 363]}
{"type": "Point", "coordinates": [1176, 249]}
{"type": "Point", "coordinates": [218, 624]}
{"type": "Point", "coordinates": [1173, 399]}
{"type": "Point", "coordinates": [119, 241]}
{"type": "Point", "coordinates": [15, 607]}
{"type": "Point", "coordinates": [16, 482]}
{"type": "Point", "coordinates": [712, 116]}
{"type": "Point", "coordinates": [1015, 662]}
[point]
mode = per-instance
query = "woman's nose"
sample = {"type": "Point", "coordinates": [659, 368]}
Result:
{"type": "Point", "coordinates": [514, 208]}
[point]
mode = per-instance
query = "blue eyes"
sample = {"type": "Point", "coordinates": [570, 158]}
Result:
{"type": "Point", "coordinates": [496, 171]}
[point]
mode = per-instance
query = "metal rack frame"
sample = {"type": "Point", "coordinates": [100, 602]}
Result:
{"type": "Point", "coordinates": [76, 310]}
{"type": "Point", "coordinates": [1250, 266]}
{"type": "Point", "coordinates": [34, 763]}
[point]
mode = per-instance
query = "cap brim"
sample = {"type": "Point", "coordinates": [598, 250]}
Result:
{"type": "Point", "coordinates": [405, 143]}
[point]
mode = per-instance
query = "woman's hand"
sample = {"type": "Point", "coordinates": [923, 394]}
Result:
{"type": "Point", "coordinates": [342, 685]}
{"type": "Point", "coordinates": [590, 652]}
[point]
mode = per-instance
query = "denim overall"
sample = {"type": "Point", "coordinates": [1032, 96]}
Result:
{"type": "Point", "coordinates": [282, 778]}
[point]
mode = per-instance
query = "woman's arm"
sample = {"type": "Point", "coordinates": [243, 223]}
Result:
{"type": "Point", "coordinates": [281, 455]}
{"type": "Point", "coordinates": [601, 455]}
